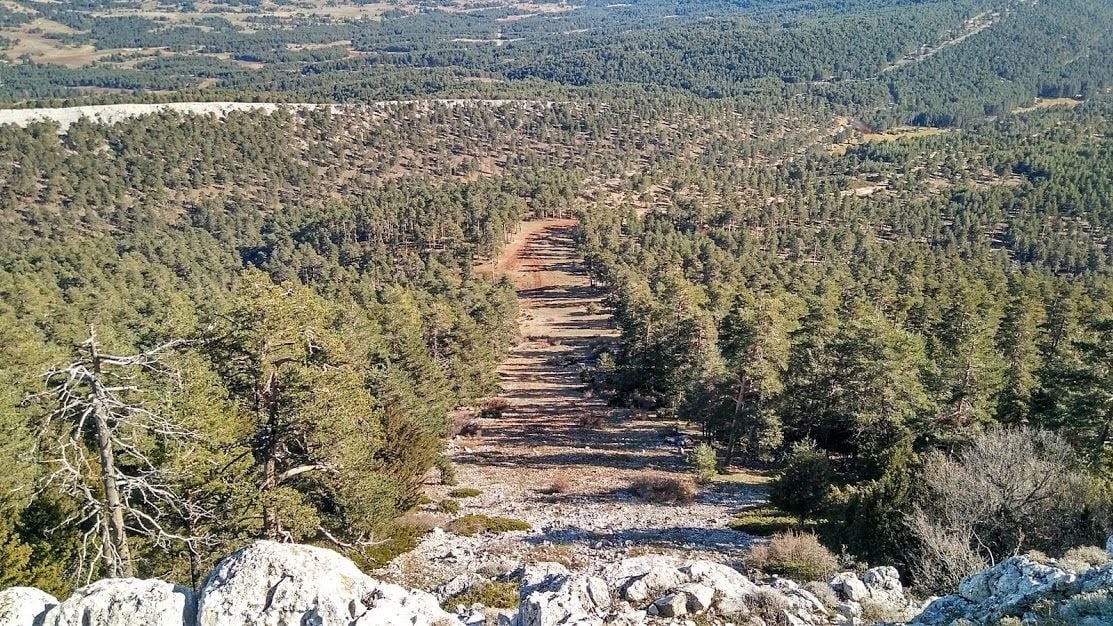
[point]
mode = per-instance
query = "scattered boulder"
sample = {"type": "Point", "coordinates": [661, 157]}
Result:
{"type": "Point", "coordinates": [698, 597]}
{"type": "Point", "coordinates": [126, 602]}
{"type": "Point", "coordinates": [883, 585]}
{"type": "Point", "coordinates": [457, 586]}
{"type": "Point", "coordinates": [25, 606]}
{"type": "Point", "coordinates": [568, 599]}
{"type": "Point", "coordinates": [849, 587]}
{"type": "Point", "coordinates": [672, 605]}
{"type": "Point", "coordinates": [1009, 589]}
{"type": "Point", "coordinates": [541, 577]}
{"type": "Point", "coordinates": [276, 583]}
{"type": "Point", "coordinates": [640, 579]}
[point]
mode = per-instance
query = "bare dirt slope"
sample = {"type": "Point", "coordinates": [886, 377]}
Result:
{"type": "Point", "coordinates": [552, 432]}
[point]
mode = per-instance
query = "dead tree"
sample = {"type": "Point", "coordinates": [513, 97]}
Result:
{"type": "Point", "coordinates": [91, 441]}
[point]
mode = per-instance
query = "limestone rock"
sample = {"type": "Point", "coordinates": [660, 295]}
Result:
{"type": "Point", "coordinates": [275, 584]}
{"type": "Point", "coordinates": [883, 582]}
{"type": "Point", "coordinates": [638, 579]}
{"type": "Point", "coordinates": [457, 586]}
{"type": "Point", "coordinates": [849, 587]}
{"type": "Point", "coordinates": [1097, 579]}
{"type": "Point", "coordinates": [699, 597]}
{"type": "Point", "coordinates": [1009, 588]}
{"type": "Point", "coordinates": [731, 587]}
{"type": "Point", "coordinates": [126, 602]}
{"type": "Point", "coordinates": [24, 606]}
{"type": "Point", "coordinates": [563, 599]}
{"type": "Point", "coordinates": [672, 605]}
{"type": "Point", "coordinates": [1109, 546]}
{"type": "Point", "coordinates": [541, 577]}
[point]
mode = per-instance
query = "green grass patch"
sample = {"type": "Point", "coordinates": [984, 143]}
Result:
{"type": "Point", "coordinates": [489, 594]}
{"type": "Point", "coordinates": [470, 525]}
{"type": "Point", "coordinates": [767, 520]}
{"type": "Point", "coordinates": [448, 505]}
{"type": "Point", "coordinates": [464, 492]}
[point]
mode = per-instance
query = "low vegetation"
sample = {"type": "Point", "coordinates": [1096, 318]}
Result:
{"type": "Point", "coordinates": [464, 492]}
{"type": "Point", "coordinates": [665, 490]}
{"type": "Point", "coordinates": [704, 461]}
{"type": "Point", "coordinates": [563, 554]}
{"type": "Point", "coordinates": [767, 520]}
{"type": "Point", "coordinates": [561, 483]}
{"type": "Point", "coordinates": [494, 408]}
{"type": "Point", "coordinates": [796, 555]}
{"type": "Point", "coordinates": [475, 524]}
{"type": "Point", "coordinates": [491, 594]}
{"type": "Point", "coordinates": [448, 505]}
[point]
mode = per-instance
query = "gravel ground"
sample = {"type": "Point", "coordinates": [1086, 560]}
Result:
{"type": "Point", "coordinates": [552, 432]}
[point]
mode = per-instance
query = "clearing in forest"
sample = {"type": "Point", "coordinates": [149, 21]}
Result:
{"type": "Point", "coordinates": [559, 459]}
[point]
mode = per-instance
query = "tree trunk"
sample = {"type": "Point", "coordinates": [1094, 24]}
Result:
{"type": "Point", "coordinates": [270, 463]}
{"type": "Point", "coordinates": [119, 561]}
{"type": "Point", "coordinates": [739, 402]}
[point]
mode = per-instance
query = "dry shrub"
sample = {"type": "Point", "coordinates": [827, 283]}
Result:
{"type": "Point", "coordinates": [494, 408]}
{"type": "Point", "coordinates": [769, 606]}
{"type": "Point", "coordinates": [794, 555]}
{"type": "Point", "coordinates": [561, 483]}
{"type": "Point", "coordinates": [875, 612]}
{"type": "Point", "coordinates": [592, 420]}
{"type": "Point", "coordinates": [1010, 488]}
{"type": "Point", "coordinates": [421, 521]}
{"type": "Point", "coordinates": [665, 490]}
{"type": "Point", "coordinates": [471, 428]}
{"type": "Point", "coordinates": [823, 592]}
{"type": "Point", "coordinates": [458, 421]}
{"type": "Point", "coordinates": [1081, 559]}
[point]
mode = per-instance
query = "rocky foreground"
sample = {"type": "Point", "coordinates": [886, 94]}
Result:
{"type": "Point", "coordinates": [284, 585]}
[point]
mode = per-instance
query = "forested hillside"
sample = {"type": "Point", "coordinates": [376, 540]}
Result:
{"type": "Point", "coordinates": [886, 61]}
{"type": "Point", "coordinates": [877, 304]}
{"type": "Point", "coordinates": [656, 278]}
{"type": "Point", "coordinates": [276, 253]}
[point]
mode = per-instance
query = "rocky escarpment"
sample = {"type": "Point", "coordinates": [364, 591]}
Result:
{"type": "Point", "coordinates": [282, 584]}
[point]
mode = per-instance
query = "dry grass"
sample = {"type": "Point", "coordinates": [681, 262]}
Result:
{"type": "Point", "coordinates": [749, 478]}
{"type": "Point", "coordinates": [470, 428]}
{"type": "Point", "coordinates": [561, 483]}
{"type": "Point", "coordinates": [1083, 558]}
{"type": "Point", "coordinates": [794, 555]}
{"type": "Point", "coordinates": [902, 132]}
{"type": "Point", "coordinates": [1047, 103]}
{"type": "Point", "coordinates": [564, 555]}
{"type": "Point", "coordinates": [494, 408]}
{"type": "Point", "coordinates": [665, 490]}
{"type": "Point", "coordinates": [422, 521]}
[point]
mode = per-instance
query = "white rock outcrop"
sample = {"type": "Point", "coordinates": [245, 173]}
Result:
{"type": "Point", "coordinates": [1010, 589]}
{"type": "Point", "coordinates": [24, 606]}
{"type": "Point", "coordinates": [125, 602]}
{"type": "Point", "coordinates": [276, 584]}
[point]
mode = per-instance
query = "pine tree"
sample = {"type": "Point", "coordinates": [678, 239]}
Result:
{"type": "Point", "coordinates": [755, 344]}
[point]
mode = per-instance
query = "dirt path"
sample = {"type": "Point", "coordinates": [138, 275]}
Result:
{"type": "Point", "coordinates": [551, 432]}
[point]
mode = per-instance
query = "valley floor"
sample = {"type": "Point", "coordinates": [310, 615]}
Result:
{"type": "Point", "coordinates": [552, 432]}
